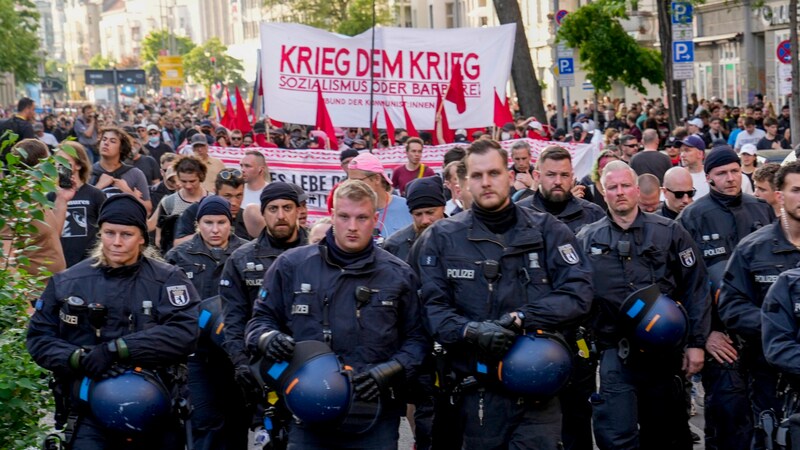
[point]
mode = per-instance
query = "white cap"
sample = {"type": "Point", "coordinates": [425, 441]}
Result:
{"type": "Point", "coordinates": [696, 122]}
{"type": "Point", "coordinates": [749, 149]}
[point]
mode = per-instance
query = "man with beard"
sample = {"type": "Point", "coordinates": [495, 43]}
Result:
{"type": "Point", "coordinates": [425, 198]}
{"type": "Point", "coordinates": [244, 271]}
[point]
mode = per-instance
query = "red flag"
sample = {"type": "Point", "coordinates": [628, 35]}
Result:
{"type": "Point", "coordinates": [324, 122]}
{"type": "Point", "coordinates": [229, 117]}
{"type": "Point", "coordinates": [242, 120]}
{"type": "Point", "coordinates": [375, 130]}
{"type": "Point", "coordinates": [410, 128]}
{"type": "Point", "coordinates": [455, 91]}
{"type": "Point", "coordinates": [447, 133]}
{"type": "Point", "coordinates": [389, 126]}
{"type": "Point", "coordinates": [502, 115]}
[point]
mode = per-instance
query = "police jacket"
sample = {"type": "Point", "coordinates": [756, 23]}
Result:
{"type": "Point", "coordinates": [577, 213]}
{"type": "Point", "coordinates": [400, 242]}
{"type": "Point", "coordinates": [541, 274]}
{"type": "Point", "coordinates": [241, 280]}
{"type": "Point", "coordinates": [753, 268]}
{"type": "Point", "coordinates": [653, 250]}
{"type": "Point", "coordinates": [201, 266]}
{"type": "Point", "coordinates": [309, 297]}
{"type": "Point", "coordinates": [780, 323]}
{"type": "Point", "coordinates": [150, 304]}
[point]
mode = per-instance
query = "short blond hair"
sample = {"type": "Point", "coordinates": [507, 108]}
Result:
{"type": "Point", "coordinates": [357, 191]}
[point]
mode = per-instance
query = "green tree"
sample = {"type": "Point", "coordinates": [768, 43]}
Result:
{"type": "Point", "coordinates": [209, 63]}
{"type": "Point", "coordinates": [19, 54]}
{"type": "Point", "coordinates": [99, 62]}
{"type": "Point", "coordinates": [158, 40]}
{"type": "Point", "coordinates": [606, 52]}
{"type": "Point", "coordinates": [349, 17]}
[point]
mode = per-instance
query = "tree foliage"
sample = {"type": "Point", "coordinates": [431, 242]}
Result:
{"type": "Point", "coordinates": [349, 17]}
{"type": "Point", "coordinates": [157, 40]}
{"type": "Point", "coordinates": [225, 68]}
{"type": "Point", "coordinates": [24, 392]}
{"type": "Point", "coordinates": [19, 54]}
{"type": "Point", "coordinates": [98, 61]}
{"type": "Point", "coordinates": [607, 53]}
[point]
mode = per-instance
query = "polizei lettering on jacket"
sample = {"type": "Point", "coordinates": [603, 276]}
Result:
{"type": "Point", "coordinates": [462, 274]}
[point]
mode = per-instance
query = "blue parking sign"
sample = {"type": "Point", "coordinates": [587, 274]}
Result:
{"type": "Point", "coordinates": [682, 51]}
{"type": "Point", "coordinates": [682, 12]}
{"type": "Point", "coordinates": [566, 65]}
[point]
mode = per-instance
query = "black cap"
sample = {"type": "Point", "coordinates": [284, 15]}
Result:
{"type": "Point", "coordinates": [214, 205]}
{"type": "Point", "coordinates": [278, 190]}
{"type": "Point", "coordinates": [348, 153]}
{"type": "Point", "coordinates": [425, 193]}
{"type": "Point", "coordinates": [124, 209]}
{"type": "Point", "coordinates": [720, 157]}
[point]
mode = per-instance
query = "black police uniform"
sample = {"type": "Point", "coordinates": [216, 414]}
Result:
{"type": "Point", "coordinates": [241, 280]}
{"type": "Point", "coordinates": [717, 223]}
{"type": "Point", "coordinates": [203, 266]}
{"type": "Point", "coordinates": [780, 323]}
{"type": "Point", "coordinates": [220, 419]}
{"type": "Point", "coordinates": [641, 403]}
{"type": "Point", "coordinates": [664, 211]}
{"type": "Point", "coordinates": [577, 212]}
{"type": "Point", "coordinates": [576, 410]}
{"type": "Point", "coordinates": [753, 268]}
{"type": "Point", "coordinates": [541, 274]}
{"type": "Point", "coordinates": [309, 297]}
{"type": "Point", "coordinates": [400, 242]}
{"type": "Point", "coordinates": [150, 305]}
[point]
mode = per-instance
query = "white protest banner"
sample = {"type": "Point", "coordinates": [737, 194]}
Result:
{"type": "Point", "coordinates": [317, 171]}
{"type": "Point", "coordinates": [409, 65]}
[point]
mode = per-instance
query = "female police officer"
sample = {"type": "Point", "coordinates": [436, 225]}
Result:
{"type": "Point", "coordinates": [117, 309]}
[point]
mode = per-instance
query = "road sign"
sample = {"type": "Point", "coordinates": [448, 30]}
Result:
{"type": "Point", "coordinates": [130, 76]}
{"type": "Point", "coordinates": [171, 71]}
{"type": "Point", "coordinates": [587, 86]}
{"type": "Point", "coordinates": [682, 71]}
{"type": "Point", "coordinates": [566, 66]}
{"type": "Point", "coordinates": [683, 52]}
{"type": "Point", "coordinates": [682, 12]}
{"type": "Point", "coordinates": [784, 79]}
{"type": "Point", "coordinates": [784, 52]}
{"type": "Point", "coordinates": [133, 76]}
{"type": "Point", "coordinates": [51, 85]}
{"type": "Point", "coordinates": [95, 77]}
{"type": "Point", "coordinates": [560, 16]}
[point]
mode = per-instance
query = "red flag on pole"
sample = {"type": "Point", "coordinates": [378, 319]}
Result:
{"type": "Point", "coordinates": [502, 115]}
{"type": "Point", "coordinates": [447, 133]}
{"type": "Point", "coordinates": [229, 116]}
{"type": "Point", "coordinates": [389, 126]}
{"type": "Point", "coordinates": [410, 128]}
{"type": "Point", "coordinates": [324, 122]}
{"type": "Point", "coordinates": [375, 130]}
{"type": "Point", "coordinates": [242, 121]}
{"type": "Point", "coordinates": [455, 91]}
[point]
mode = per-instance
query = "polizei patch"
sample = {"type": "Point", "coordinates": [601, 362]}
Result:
{"type": "Point", "coordinates": [687, 257]}
{"type": "Point", "coordinates": [463, 274]}
{"type": "Point", "coordinates": [569, 254]}
{"type": "Point", "coordinates": [178, 295]}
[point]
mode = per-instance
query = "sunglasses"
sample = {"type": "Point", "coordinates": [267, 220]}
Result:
{"type": "Point", "coordinates": [680, 194]}
{"type": "Point", "coordinates": [236, 138]}
{"type": "Point", "coordinates": [235, 173]}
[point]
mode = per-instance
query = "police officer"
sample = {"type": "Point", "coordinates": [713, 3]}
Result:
{"type": "Point", "coordinates": [219, 419]}
{"type": "Point", "coordinates": [754, 266]}
{"type": "Point", "coordinates": [117, 309]}
{"type": "Point", "coordinates": [717, 222]}
{"type": "Point", "coordinates": [244, 271]}
{"type": "Point", "coordinates": [780, 327]}
{"type": "Point", "coordinates": [358, 299]}
{"type": "Point", "coordinates": [641, 403]}
{"type": "Point", "coordinates": [555, 178]}
{"type": "Point", "coordinates": [490, 270]}
{"type": "Point", "coordinates": [425, 199]}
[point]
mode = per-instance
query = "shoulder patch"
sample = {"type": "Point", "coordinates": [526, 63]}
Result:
{"type": "Point", "coordinates": [178, 295]}
{"type": "Point", "coordinates": [687, 257]}
{"type": "Point", "coordinates": [569, 254]}
{"type": "Point", "coordinates": [427, 260]}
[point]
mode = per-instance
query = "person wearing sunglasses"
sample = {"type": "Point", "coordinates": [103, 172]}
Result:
{"type": "Point", "coordinates": [678, 192]}
{"type": "Point", "coordinates": [236, 139]}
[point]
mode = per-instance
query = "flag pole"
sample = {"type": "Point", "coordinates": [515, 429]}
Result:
{"type": "Point", "coordinates": [372, 80]}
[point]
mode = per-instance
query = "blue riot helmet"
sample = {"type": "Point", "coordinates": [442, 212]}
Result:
{"type": "Point", "coordinates": [656, 321]}
{"type": "Point", "coordinates": [314, 385]}
{"type": "Point", "coordinates": [134, 402]}
{"type": "Point", "coordinates": [537, 364]}
{"type": "Point", "coordinates": [210, 320]}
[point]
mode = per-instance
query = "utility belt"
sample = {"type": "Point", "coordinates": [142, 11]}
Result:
{"type": "Point", "coordinates": [782, 428]}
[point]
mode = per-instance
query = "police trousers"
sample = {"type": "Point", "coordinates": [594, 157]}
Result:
{"type": "Point", "coordinates": [729, 424]}
{"type": "Point", "coordinates": [496, 421]}
{"type": "Point", "coordinates": [641, 403]}
{"type": "Point", "coordinates": [91, 435]}
{"type": "Point", "coordinates": [575, 407]}
{"type": "Point", "coordinates": [381, 436]}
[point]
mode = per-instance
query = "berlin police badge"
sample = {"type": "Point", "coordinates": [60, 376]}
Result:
{"type": "Point", "coordinates": [687, 257]}
{"type": "Point", "coordinates": [178, 295]}
{"type": "Point", "coordinates": [569, 254]}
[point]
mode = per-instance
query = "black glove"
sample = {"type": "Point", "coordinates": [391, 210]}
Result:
{"type": "Point", "coordinates": [368, 385]}
{"type": "Point", "coordinates": [276, 345]}
{"type": "Point", "coordinates": [508, 322]}
{"type": "Point", "coordinates": [490, 337]}
{"type": "Point", "coordinates": [97, 362]}
{"type": "Point", "coordinates": [251, 390]}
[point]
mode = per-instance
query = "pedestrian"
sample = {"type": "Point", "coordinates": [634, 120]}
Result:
{"type": "Point", "coordinates": [425, 199]}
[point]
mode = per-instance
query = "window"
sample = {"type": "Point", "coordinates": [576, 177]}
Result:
{"type": "Point", "coordinates": [430, 16]}
{"type": "Point", "coordinates": [449, 15]}
{"type": "Point", "coordinates": [729, 73]}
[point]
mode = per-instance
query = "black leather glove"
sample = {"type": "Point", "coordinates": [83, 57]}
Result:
{"type": "Point", "coordinates": [98, 361]}
{"type": "Point", "coordinates": [276, 345]}
{"type": "Point", "coordinates": [251, 390]}
{"type": "Point", "coordinates": [490, 337]}
{"type": "Point", "coordinates": [508, 322]}
{"type": "Point", "coordinates": [368, 385]}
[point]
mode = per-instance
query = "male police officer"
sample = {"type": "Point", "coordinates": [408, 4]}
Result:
{"type": "Point", "coordinates": [358, 299]}
{"type": "Point", "coordinates": [717, 222]}
{"type": "Point", "coordinates": [494, 268]}
{"type": "Point", "coordinates": [425, 199]}
{"type": "Point", "coordinates": [753, 268]}
{"type": "Point", "coordinates": [117, 309]}
{"type": "Point", "coordinates": [641, 403]}
{"type": "Point", "coordinates": [244, 271]}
